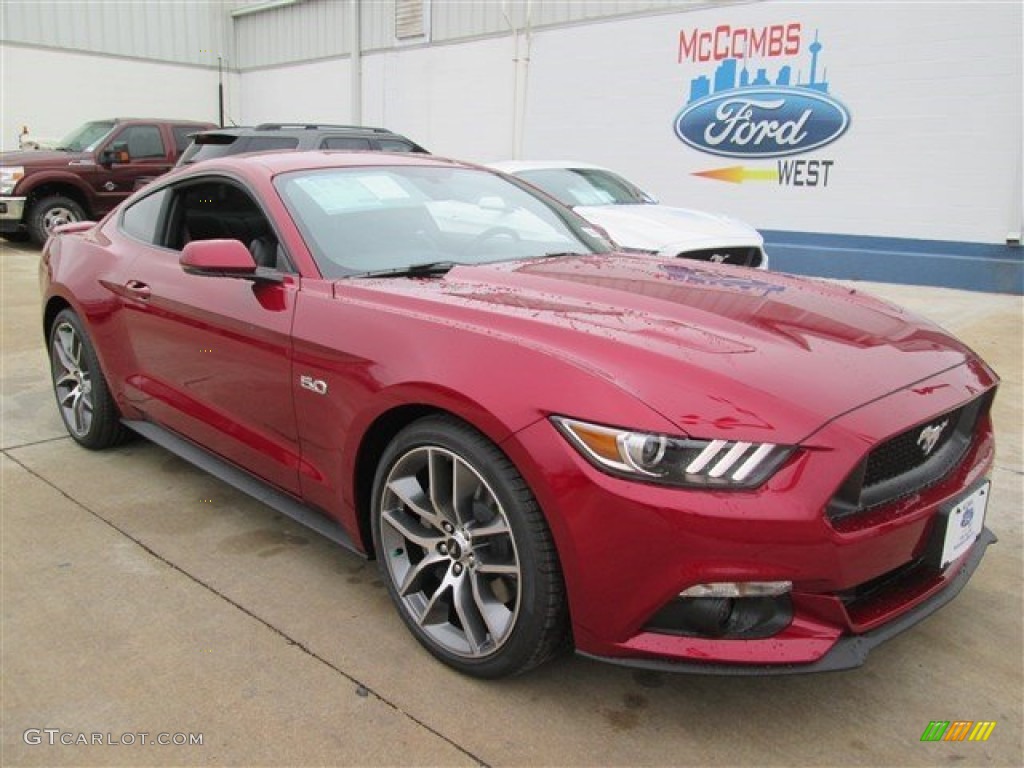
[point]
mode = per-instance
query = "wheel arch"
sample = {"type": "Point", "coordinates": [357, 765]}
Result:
{"type": "Point", "coordinates": [61, 187]}
{"type": "Point", "coordinates": [375, 441]}
{"type": "Point", "coordinates": [409, 404]}
{"type": "Point", "coordinates": [57, 303]}
{"type": "Point", "coordinates": [54, 306]}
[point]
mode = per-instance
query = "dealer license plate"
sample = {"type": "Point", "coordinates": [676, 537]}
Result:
{"type": "Point", "coordinates": [964, 524]}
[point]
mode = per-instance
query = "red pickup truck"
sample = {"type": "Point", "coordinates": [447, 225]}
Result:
{"type": "Point", "coordinates": [91, 171]}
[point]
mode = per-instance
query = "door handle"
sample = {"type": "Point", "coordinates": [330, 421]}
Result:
{"type": "Point", "coordinates": [137, 289]}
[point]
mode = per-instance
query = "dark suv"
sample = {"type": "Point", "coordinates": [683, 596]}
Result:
{"type": "Point", "coordinates": [301, 136]}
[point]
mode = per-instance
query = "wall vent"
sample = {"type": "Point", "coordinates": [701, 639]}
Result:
{"type": "Point", "coordinates": [409, 19]}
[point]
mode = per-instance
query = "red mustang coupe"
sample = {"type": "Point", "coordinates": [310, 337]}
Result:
{"type": "Point", "coordinates": [543, 442]}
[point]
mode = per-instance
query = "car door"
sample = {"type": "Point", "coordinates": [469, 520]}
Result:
{"type": "Point", "coordinates": [211, 356]}
{"type": "Point", "coordinates": [148, 157]}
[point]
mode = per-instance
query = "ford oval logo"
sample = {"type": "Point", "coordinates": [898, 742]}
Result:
{"type": "Point", "coordinates": [762, 122]}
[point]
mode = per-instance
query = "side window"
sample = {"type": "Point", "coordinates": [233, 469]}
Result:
{"type": "Point", "coordinates": [141, 220]}
{"type": "Point", "coordinates": [183, 136]}
{"type": "Point", "coordinates": [344, 142]}
{"type": "Point", "coordinates": [216, 209]}
{"type": "Point", "coordinates": [265, 143]}
{"type": "Point", "coordinates": [144, 141]}
{"type": "Point", "coordinates": [393, 145]}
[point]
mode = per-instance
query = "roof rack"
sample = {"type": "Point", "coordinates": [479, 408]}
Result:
{"type": "Point", "coordinates": [316, 127]}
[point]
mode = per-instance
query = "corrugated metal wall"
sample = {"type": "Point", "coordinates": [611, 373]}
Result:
{"type": "Point", "coordinates": [311, 29]}
{"type": "Point", "coordinates": [456, 20]}
{"type": "Point", "coordinates": [301, 32]}
{"type": "Point", "coordinates": [197, 31]}
{"type": "Point", "coordinates": [179, 32]}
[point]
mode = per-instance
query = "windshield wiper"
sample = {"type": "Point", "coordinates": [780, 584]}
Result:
{"type": "Point", "coordinates": [562, 254]}
{"type": "Point", "coordinates": [413, 270]}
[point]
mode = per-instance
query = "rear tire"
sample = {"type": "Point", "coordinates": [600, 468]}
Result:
{"type": "Point", "coordinates": [47, 213]}
{"type": "Point", "coordinates": [465, 552]}
{"type": "Point", "coordinates": [83, 397]}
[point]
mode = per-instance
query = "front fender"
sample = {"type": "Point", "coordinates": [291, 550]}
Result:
{"type": "Point", "coordinates": [73, 270]}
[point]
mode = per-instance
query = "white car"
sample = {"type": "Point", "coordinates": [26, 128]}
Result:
{"type": "Point", "coordinates": [635, 220]}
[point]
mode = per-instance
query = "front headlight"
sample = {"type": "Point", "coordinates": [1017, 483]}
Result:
{"type": "Point", "coordinates": [9, 176]}
{"type": "Point", "coordinates": [725, 464]}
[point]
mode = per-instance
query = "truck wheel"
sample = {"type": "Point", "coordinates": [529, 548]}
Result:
{"type": "Point", "coordinates": [47, 213]}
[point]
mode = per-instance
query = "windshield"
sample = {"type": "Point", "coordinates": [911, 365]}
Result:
{"type": "Point", "coordinates": [86, 137]}
{"type": "Point", "coordinates": [358, 220]}
{"type": "Point", "coordinates": [585, 186]}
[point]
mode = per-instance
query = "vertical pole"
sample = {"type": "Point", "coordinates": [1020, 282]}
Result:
{"type": "Point", "coordinates": [220, 91]}
{"type": "Point", "coordinates": [521, 37]}
{"type": "Point", "coordinates": [356, 65]}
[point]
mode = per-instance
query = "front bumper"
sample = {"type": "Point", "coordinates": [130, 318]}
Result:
{"type": "Point", "coordinates": [848, 651]}
{"type": "Point", "coordinates": [629, 549]}
{"type": "Point", "coordinates": [12, 209]}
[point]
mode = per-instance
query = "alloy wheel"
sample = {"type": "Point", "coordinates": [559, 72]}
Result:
{"type": "Point", "coordinates": [71, 379]}
{"type": "Point", "coordinates": [450, 552]}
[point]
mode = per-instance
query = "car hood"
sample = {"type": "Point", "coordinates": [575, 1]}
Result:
{"type": "Point", "coordinates": [39, 157]}
{"type": "Point", "coordinates": [655, 227]}
{"type": "Point", "coordinates": [717, 350]}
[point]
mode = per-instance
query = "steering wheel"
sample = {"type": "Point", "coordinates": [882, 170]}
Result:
{"type": "Point", "coordinates": [490, 234]}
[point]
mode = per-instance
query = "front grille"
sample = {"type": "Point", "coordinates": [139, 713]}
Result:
{"type": "Point", "coordinates": [909, 462]}
{"type": "Point", "coordinates": [906, 452]}
{"type": "Point", "coordinates": [749, 256]}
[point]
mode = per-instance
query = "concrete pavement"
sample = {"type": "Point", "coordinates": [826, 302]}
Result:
{"type": "Point", "coordinates": [142, 596]}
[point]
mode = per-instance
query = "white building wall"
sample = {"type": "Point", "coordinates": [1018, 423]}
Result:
{"type": "Point", "coordinates": [933, 150]}
{"type": "Point", "coordinates": [53, 92]}
{"type": "Point", "coordinates": [317, 92]}
{"type": "Point", "coordinates": [456, 100]}
{"type": "Point", "coordinates": [934, 91]}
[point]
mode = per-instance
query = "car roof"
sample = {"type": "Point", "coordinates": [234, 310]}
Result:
{"type": "Point", "coordinates": [515, 166]}
{"type": "Point", "coordinates": [300, 128]}
{"type": "Point", "coordinates": [122, 120]}
{"type": "Point", "coordinates": [286, 161]}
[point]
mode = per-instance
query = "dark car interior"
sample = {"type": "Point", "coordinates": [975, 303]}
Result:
{"type": "Point", "coordinates": [219, 210]}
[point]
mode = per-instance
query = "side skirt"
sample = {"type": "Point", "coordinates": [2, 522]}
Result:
{"type": "Point", "coordinates": [244, 482]}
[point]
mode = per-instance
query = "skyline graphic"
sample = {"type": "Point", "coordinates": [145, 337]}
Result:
{"type": "Point", "coordinates": [727, 78]}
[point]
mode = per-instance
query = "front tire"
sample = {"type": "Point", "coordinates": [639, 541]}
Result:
{"type": "Point", "coordinates": [47, 213]}
{"type": "Point", "coordinates": [465, 552]}
{"type": "Point", "coordinates": [83, 397]}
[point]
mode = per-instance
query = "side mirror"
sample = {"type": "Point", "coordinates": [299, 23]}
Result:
{"type": "Point", "coordinates": [115, 153]}
{"type": "Point", "coordinates": [224, 258]}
